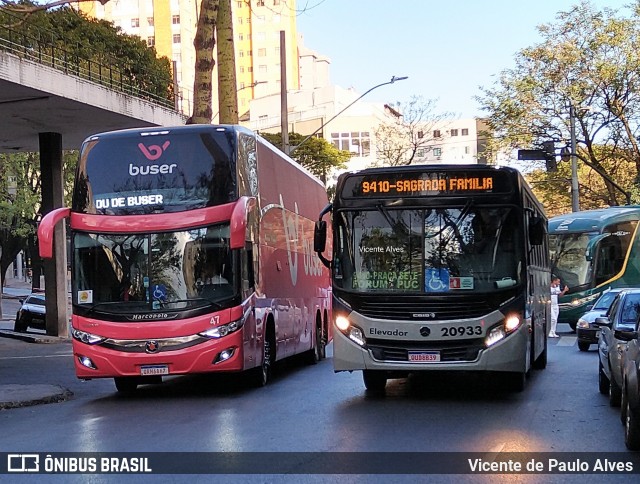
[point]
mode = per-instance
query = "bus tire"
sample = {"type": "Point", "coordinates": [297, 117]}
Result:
{"type": "Point", "coordinates": [126, 384]}
{"type": "Point", "coordinates": [517, 381]}
{"type": "Point", "coordinates": [314, 355]}
{"type": "Point", "coordinates": [541, 362]}
{"type": "Point", "coordinates": [615, 393]}
{"type": "Point", "coordinates": [264, 372]}
{"type": "Point", "coordinates": [375, 381]}
{"type": "Point", "coordinates": [603, 380]}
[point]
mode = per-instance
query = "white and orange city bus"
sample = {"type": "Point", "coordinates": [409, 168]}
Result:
{"type": "Point", "coordinates": [191, 252]}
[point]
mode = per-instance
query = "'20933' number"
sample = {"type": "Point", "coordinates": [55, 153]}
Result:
{"type": "Point", "coordinates": [461, 331]}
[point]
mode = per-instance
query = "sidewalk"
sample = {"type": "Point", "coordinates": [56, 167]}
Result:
{"type": "Point", "coordinates": [15, 395]}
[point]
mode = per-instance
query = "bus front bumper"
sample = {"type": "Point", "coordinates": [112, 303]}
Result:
{"type": "Point", "coordinates": [224, 355]}
{"type": "Point", "coordinates": [503, 356]}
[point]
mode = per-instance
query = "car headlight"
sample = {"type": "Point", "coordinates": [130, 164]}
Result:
{"type": "Point", "coordinates": [223, 329]}
{"type": "Point", "coordinates": [87, 338]}
{"type": "Point", "coordinates": [582, 323]}
{"type": "Point", "coordinates": [584, 300]}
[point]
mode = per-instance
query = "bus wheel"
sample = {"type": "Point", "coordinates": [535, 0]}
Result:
{"type": "Point", "coordinates": [314, 355]}
{"type": "Point", "coordinates": [126, 384]}
{"type": "Point", "coordinates": [517, 380]}
{"type": "Point", "coordinates": [265, 370]}
{"type": "Point", "coordinates": [374, 380]}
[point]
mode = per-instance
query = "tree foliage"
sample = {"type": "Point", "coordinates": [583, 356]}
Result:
{"type": "Point", "coordinates": [588, 60]}
{"type": "Point", "coordinates": [81, 39]}
{"type": "Point", "coordinates": [410, 131]}
{"type": "Point", "coordinates": [316, 154]}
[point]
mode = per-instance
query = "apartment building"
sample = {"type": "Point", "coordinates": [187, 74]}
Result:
{"type": "Point", "coordinates": [170, 27]}
{"type": "Point", "coordinates": [456, 141]}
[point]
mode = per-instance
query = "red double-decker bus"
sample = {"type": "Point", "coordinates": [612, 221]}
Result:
{"type": "Point", "coordinates": [191, 252]}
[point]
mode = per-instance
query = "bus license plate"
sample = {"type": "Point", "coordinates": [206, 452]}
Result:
{"type": "Point", "coordinates": [424, 356]}
{"type": "Point", "coordinates": [154, 370]}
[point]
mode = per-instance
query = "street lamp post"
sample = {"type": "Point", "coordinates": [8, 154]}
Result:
{"type": "Point", "coordinates": [393, 79]}
{"type": "Point", "coordinates": [575, 187]}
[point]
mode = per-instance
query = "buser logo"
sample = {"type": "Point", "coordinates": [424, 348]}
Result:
{"type": "Point", "coordinates": [154, 152]}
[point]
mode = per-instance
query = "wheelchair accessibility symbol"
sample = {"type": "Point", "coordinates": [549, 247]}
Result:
{"type": "Point", "coordinates": [436, 280]}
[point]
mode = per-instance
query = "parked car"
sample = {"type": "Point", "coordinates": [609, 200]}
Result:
{"type": "Point", "coordinates": [32, 313]}
{"type": "Point", "coordinates": [621, 316]}
{"type": "Point", "coordinates": [588, 331]}
{"type": "Point", "coordinates": [630, 411]}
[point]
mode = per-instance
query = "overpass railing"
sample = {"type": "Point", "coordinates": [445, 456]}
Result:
{"type": "Point", "coordinates": [49, 54]}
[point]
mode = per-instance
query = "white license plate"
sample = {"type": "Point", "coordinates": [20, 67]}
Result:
{"type": "Point", "coordinates": [154, 370]}
{"type": "Point", "coordinates": [424, 356]}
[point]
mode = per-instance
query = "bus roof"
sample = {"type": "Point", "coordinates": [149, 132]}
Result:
{"type": "Point", "coordinates": [174, 129]}
{"type": "Point", "coordinates": [593, 220]}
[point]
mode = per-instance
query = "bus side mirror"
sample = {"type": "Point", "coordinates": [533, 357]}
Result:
{"type": "Point", "coordinates": [320, 236]}
{"type": "Point", "coordinates": [537, 230]}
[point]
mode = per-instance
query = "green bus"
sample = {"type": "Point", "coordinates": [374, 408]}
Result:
{"type": "Point", "coordinates": [591, 251]}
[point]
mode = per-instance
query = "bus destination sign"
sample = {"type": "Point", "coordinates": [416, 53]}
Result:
{"type": "Point", "coordinates": [418, 184]}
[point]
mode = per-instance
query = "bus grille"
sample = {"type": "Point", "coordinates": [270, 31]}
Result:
{"type": "Point", "coordinates": [463, 350]}
{"type": "Point", "coordinates": [436, 310]}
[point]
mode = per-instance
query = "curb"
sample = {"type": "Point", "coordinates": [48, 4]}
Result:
{"type": "Point", "coordinates": [32, 338]}
{"type": "Point", "coordinates": [16, 396]}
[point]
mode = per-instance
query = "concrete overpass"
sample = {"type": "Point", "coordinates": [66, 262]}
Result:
{"type": "Point", "coordinates": [48, 105]}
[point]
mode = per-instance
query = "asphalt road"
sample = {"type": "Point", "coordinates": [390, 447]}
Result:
{"type": "Point", "coordinates": [311, 409]}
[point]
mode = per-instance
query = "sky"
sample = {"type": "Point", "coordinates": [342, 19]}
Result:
{"type": "Point", "coordinates": [447, 48]}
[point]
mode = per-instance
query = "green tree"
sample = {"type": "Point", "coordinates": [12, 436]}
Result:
{"type": "Point", "coordinates": [588, 60]}
{"type": "Point", "coordinates": [316, 154]}
{"type": "Point", "coordinates": [20, 200]}
{"type": "Point", "coordinates": [409, 131]}
{"type": "Point", "coordinates": [69, 35]}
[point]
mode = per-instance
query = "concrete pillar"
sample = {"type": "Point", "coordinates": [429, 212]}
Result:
{"type": "Point", "coordinates": [55, 270]}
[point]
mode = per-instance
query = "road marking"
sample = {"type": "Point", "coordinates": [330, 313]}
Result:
{"type": "Point", "coordinates": [567, 341]}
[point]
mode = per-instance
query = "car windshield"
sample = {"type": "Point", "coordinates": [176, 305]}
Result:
{"type": "Point", "coordinates": [605, 300]}
{"type": "Point", "coordinates": [36, 300]}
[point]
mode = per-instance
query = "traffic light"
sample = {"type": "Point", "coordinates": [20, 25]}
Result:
{"type": "Point", "coordinates": [549, 149]}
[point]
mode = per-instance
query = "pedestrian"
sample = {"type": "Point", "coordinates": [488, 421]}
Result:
{"type": "Point", "coordinates": [555, 308]}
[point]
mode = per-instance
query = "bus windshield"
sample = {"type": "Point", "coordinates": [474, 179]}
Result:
{"type": "Point", "coordinates": [133, 174]}
{"type": "Point", "coordinates": [568, 261]}
{"type": "Point", "coordinates": [125, 273]}
{"type": "Point", "coordinates": [434, 250]}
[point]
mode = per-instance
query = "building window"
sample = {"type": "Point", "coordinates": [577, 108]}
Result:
{"type": "Point", "coordinates": [260, 3]}
{"type": "Point", "coordinates": [276, 2]}
{"type": "Point", "coordinates": [436, 133]}
{"type": "Point", "coordinates": [241, 53]}
{"type": "Point", "coordinates": [249, 53]}
{"type": "Point", "coordinates": [420, 134]}
{"type": "Point", "coordinates": [261, 36]}
{"type": "Point", "coordinates": [259, 19]}
{"type": "Point", "coordinates": [358, 143]}
{"type": "Point", "coordinates": [135, 22]}
{"type": "Point", "coordinates": [242, 86]}
{"type": "Point", "coordinates": [150, 21]}
{"type": "Point", "coordinates": [466, 150]}
{"type": "Point", "coordinates": [465, 132]}
{"type": "Point", "coordinates": [262, 52]}
{"type": "Point", "coordinates": [277, 50]}
{"type": "Point", "coordinates": [250, 69]}
{"type": "Point", "coordinates": [437, 152]}
{"type": "Point", "coordinates": [239, 4]}
{"type": "Point", "coordinates": [262, 69]}
{"type": "Point", "coordinates": [454, 132]}
{"type": "Point", "coordinates": [176, 38]}
{"type": "Point", "coordinates": [241, 69]}
{"type": "Point", "coordinates": [151, 41]}
{"type": "Point", "coordinates": [420, 153]}
{"type": "Point", "coordinates": [175, 19]}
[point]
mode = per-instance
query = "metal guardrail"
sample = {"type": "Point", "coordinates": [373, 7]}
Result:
{"type": "Point", "coordinates": [51, 55]}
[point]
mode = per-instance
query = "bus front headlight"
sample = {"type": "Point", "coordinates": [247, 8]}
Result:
{"type": "Point", "coordinates": [223, 329]}
{"type": "Point", "coordinates": [351, 331]}
{"type": "Point", "coordinates": [501, 331]}
{"type": "Point", "coordinates": [87, 338]}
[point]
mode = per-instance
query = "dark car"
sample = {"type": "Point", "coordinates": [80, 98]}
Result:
{"type": "Point", "coordinates": [630, 411]}
{"type": "Point", "coordinates": [621, 316]}
{"type": "Point", "coordinates": [32, 313]}
{"type": "Point", "coordinates": [588, 331]}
